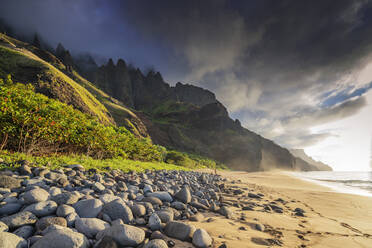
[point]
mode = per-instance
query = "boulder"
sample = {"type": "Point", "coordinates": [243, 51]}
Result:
{"type": "Point", "coordinates": [89, 208]}
{"type": "Point", "coordinates": [90, 226]}
{"type": "Point", "coordinates": [106, 242]}
{"type": "Point", "coordinates": [138, 210]}
{"type": "Point", "coordinates": [162, 195]}
{"type": "Point", "coordinates": [118, 210]}
{"type": "Point", "coordinates": [50, 220]}
{"type": "Point", "coordinates": [154, 222]}
{"type": "Point", "coordinates": [66, 198]}
{"type": "Point", "coordinates": [64, 210]}
{"type": "Point", "coordinates": [10, 240]}
{"type": "Point", "coordinates": [62, 239]}
{"type": "Point", "coordinates": [41, 209]}
{"type": "Point", "coordinates": [179, 230]}
{"type": "Point", "coordinates": [156, 243]}
{"type": "Point", "coordinates": [9, 182]}
{"type": "Point", "coordinates": [35, 195]}
{"type": "Point", "coordinates": [10, 208]}
{"type": "Point", "coordinates": [3, 227]}
{"type": "Point", "coordinates": [201, 239]}
{"type": "Point", "coordinates": [184, 195]}
{"type": "Point", "coordinates": [25, 231]}
{"type": "Point", "coordinates": [19, 219]}
{"type": "Point", "coordinates": [124, 235]}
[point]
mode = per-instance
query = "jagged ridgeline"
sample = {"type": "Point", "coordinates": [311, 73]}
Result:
{"type": "Point", "coordinates": [182, 118]}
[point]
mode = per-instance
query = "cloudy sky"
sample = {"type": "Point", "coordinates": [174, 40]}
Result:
{"type": "Point", "coordinates": [297, 72]}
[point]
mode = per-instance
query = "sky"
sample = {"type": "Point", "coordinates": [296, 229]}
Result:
{"type": "Point", "coordinates": [297, 72]}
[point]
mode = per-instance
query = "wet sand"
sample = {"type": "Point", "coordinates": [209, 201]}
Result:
{"type": "Point", "coordinates": [330, 219]}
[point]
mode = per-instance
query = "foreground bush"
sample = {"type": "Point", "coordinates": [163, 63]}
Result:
{"type": "Point", "coordinates": [35, 124]}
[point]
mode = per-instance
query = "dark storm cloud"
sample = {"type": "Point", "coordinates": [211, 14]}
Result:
{"type": "Point", "coordinates": [277, 65]}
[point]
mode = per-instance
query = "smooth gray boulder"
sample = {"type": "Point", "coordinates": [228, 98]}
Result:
{"type": "Point", "coordinates": [50, 220]}
{"type": "Point", "coordinates": [124, 235]}
{"type": "Point", "coordinates": [66, 198]}
{"type": "Point", "coordinates": [156, 243]}
{"type": "Point", "coordinates": [118, 210]}
{"type": "Point", "coordinates": [19, 219]}
{"type": "Point", "coordinates": [184, 195]}
{"type": "Point", "coordinates": [165, 215]}
{"type": "Point", "coordinates": [9, 182]}
{"type": "Point", "coordinates": [71, 218]}
{"type": "Point", "coordinates": [90, 226]}
{"type": "Point", "coordinates": [154, 222]}
{"type": "Point", "coordinates": [3, 227]}
{"type": "Point", "coordinates": [25, 231]}
{"type": "Point", "coordinates": [138, 210]}
{"type": "Point", "coordinates": [89, 208]}
{"type": "Point", "coordinates": [35, 195]}
{"type": "Point", "coordinates": [64, 210]}
{"type": "Point", "coordinates": [179, 230]}
{"type": "Point", "coordinates": [62, 239]}
{"type": "Point", "coordinates": [41, 209]}
{"type": "Point", "coordinates": [10, 208]}
{"type": "Point", "coordinates": [162, 195]}
{"type": "Point", "coordinates": [201, 239]}
{"type": "Point", "coordinates": [10, 240]}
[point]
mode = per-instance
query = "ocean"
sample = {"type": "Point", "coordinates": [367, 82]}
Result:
{"type": "Point", "coordinates": [352, 182]}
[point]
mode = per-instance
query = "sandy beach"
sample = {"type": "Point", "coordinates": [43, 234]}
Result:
{"type": "Point", "coordinates": [330, 219]}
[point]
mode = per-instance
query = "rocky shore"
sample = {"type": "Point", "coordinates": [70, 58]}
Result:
{"type": "Point", "coordinates": [72, 207]}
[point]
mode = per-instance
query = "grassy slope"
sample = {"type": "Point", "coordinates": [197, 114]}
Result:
{"type": "Point", "coordinates": [55, 162]}
{"type": "Point", "coordinates": [120, 113]}
{"type": "Point", "coordinates": [12, 57]}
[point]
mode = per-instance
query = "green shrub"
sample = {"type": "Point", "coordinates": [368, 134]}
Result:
{"type": "Point", "coordinates": [35, 124]}
{"type": "Point", "coordinates": [178, 158]}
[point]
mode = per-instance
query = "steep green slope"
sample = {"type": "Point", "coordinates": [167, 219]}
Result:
{"type": "Point", "coordinates": [26, 67]}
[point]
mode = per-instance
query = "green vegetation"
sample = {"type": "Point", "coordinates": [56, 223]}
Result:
{"type": "Point", "coordinates": [58, 161]}
{"type": "Point", "coordinates": [46, 131]}
{"type": "Point", "coordinates": [19, 61]}
{"type": "Point", "coordinates": [33, 123]}
{"type": "Point", "coordinates": [191, 160]}
{"type": "Point", "coordinates": [169, 107]}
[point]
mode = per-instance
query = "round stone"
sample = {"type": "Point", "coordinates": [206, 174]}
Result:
{"type": "Point", "coordinates": [35, 195]}
{"type": "Point", "coordinates": [201, 238]}
{"type": "Point", "coordinates": [88, 208]}
{"type": "Point", "coordinates": [41, 209]}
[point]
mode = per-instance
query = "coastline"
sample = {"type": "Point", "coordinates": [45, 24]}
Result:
{"type": "Point", "coordinates": [332, 219]}
{"type": "Point", "coordinates": [332, 186]}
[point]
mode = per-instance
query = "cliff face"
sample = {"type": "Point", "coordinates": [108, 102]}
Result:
{"type": "Point", "coordinates": [316, 165]}
{"type": "Point", "coordinates": [191, 119]}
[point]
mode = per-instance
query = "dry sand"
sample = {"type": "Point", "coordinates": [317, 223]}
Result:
{"type": "Point", "coordinates": [331, 219]}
